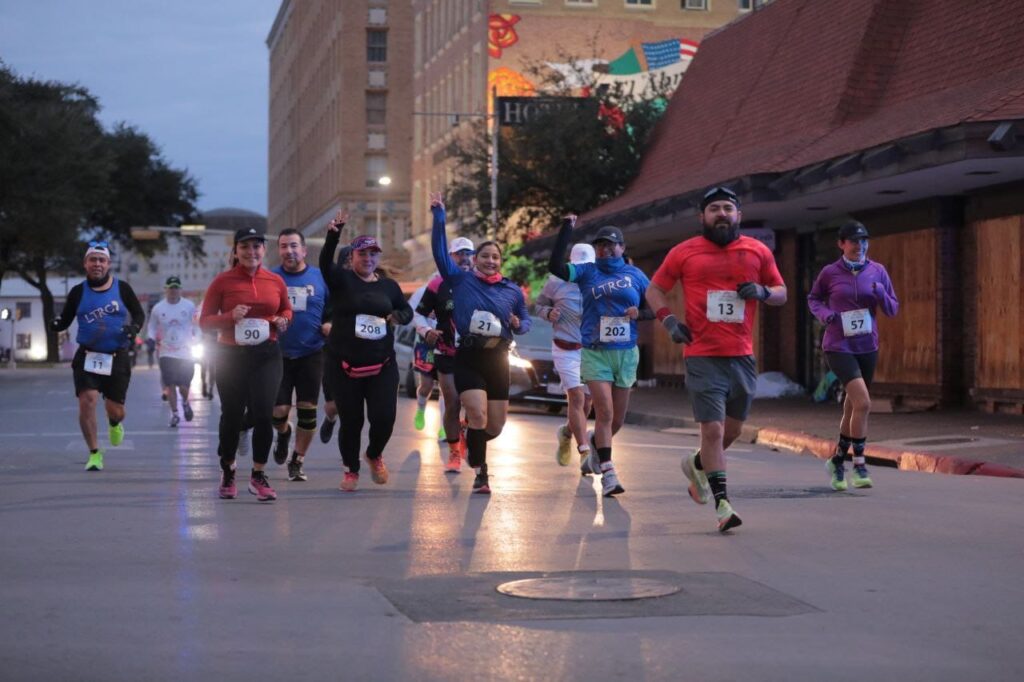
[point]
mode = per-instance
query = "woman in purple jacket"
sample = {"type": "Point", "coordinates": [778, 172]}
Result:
{"type": "Point", "coordinates": [845, 298]}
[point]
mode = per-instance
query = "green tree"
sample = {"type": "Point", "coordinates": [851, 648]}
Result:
{"type": "Point", "coordinates": [62, 176]}
{"type": "Point", "coordinates": [562, 160]}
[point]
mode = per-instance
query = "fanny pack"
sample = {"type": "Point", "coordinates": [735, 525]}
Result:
{"type": "Point", "coordinates": [567, 345]}
{"type": "Point", "coordinates": [477, 342]}
{"type": "Point", "coordinates": [364, 371]}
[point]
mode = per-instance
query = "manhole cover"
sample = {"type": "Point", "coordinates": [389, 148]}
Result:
{"type": "Point", "coordinates": [587, 589]}
{"type": "Point", "coordinates": [953, 440]}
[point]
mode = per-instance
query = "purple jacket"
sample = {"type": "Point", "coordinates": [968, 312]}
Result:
{"type": "Point", "coordinates": [837, 290]}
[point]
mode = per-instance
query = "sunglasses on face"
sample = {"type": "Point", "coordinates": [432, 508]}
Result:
{"type": "Point", "coordinates": [98, 245]}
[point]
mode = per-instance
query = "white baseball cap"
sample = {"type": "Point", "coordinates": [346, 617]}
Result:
{"type": "Point", "coordinates": [582, 253]}
{"type": "Point", "coordinates": [460, 244]}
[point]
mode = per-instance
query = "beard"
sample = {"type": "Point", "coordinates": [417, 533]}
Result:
{"type": "Point", "coordinates": [722, 236]}
{"type": "Point", "coordinates": [98, 282]}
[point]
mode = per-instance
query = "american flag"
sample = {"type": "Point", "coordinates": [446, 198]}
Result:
{"type": "Point", "coordinates": [662, 54]}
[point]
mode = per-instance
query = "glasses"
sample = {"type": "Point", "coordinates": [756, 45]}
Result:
{"type": "Point", "coordinates": [98, 245]}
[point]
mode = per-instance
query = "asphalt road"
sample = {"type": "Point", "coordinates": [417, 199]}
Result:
{"type": "Point", "coordinates": [140, 572]}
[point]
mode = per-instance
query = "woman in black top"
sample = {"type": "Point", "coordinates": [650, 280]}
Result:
{"type": "Point", "coordinates": [362, 370]}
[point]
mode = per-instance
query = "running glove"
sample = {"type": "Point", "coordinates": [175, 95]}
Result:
{"type": "Point", "coordinates": [679, 332]}
{"type": "Point", "coordinates": [749, 290]}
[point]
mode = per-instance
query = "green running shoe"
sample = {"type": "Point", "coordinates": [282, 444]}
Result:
{"type": "Point", "coordinates": [727, 517]}
{"type": "Point", "coordinates": [860, 477]}
{"type": "Point", "coordinates": [564, 453]}
{"type": "Point", "coordinates": [420, 420]}
{"type": "Point", "coordinates": [95, 462]}
{"type": "Point", "coordinates": [116, 434]}
{"type": "Point", "coordinates": [699, 487]}
{"type": "Point", "coordinates": [442, 434]}
{"type": "Point", "coordinates": [838, 475]}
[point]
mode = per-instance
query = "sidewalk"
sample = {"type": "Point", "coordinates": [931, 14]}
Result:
{"type": "Point", "coordinates": [957, 441]}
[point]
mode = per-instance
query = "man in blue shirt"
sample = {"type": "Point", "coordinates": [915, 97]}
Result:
{"type": "Point", "coordinates": [109, 316]}
{"type": "Point", "coordinates": [301, 347]}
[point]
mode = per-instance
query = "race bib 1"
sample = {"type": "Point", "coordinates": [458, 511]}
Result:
{"type": "Point", "coordinates": [252, 331]}
{"type": "Point", "coordinates": [856, 322]}
{"type": "Point", "coordinates": [614, 329]}
{"type": "Point", "coordinates": [99, 363]}
{"type": "Point", "coordinates": [725, 306]}
{"type": "Point", "coordinates": [371, 327]}
{"type": "Point", "coordinates": [485, 323]}
{"type": "Point", "coordinates": [298, 296]}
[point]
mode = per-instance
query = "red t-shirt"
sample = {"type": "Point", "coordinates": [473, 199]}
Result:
{"type": "Point", "coordinates": [705, 267]}
{"type": "Point", "coordinates": [265, 293]}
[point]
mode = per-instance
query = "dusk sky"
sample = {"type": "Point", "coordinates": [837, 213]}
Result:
{"type": "Point", "coordinates": [190, 74]}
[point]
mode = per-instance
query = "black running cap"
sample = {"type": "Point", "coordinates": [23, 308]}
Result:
{"type": "Point", "coordinates": [719, 193]}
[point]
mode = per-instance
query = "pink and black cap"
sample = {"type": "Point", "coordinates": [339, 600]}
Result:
{"type": "Point", "coordinates": [364, 242]}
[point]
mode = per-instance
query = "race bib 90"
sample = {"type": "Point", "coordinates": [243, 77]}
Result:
{"type": "Point", "coordinates": [252, 331]}
{"type": "Point", "coordinates": [371, 327]}
{"type": "Point", "coordinates": [856, 322]}
{"type": "Point", "coordinates": [725, 306]}
{"type": "Point", "coordinates": [614, 329]}
{"type": "Point", "coordinates": [485, 323]}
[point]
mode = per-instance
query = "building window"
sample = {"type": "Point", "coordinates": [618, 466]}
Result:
{"type": "Point", "coordinates": [23, 311]}
{"type": "Point", "coordinates": [376, 168]}
{"type": "Point", "coordinates": [698, 4]}
{"type": "Point", "coordinates": [584, 3]}
{"type": "Point", "coordinates": [24, 341]}
{"type": "Point", "coordinates": [376, 108]}
{"type": "Point", "coordinates": [376, 45]}
{"type": "Point", "coordinates": [641, 3]}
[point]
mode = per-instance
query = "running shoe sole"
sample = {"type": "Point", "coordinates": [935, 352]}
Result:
{"type": "Point", "coordinates": [281, 447]}
{"type": "Point", "coordinates": [262, 497]}
{"type": "Point", "coordinates": [327, 430]}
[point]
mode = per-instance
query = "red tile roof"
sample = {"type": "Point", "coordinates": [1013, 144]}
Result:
{"type": "Point", "coordinates": [804, 81]}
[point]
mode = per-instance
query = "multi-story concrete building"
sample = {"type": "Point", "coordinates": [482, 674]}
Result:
{"type": "Point", "coordinates": [341, 117]}
{"type": "Point", "coordinates": [467, 49]}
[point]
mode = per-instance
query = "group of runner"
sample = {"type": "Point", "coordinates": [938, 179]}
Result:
{"type": "Point", "coordinates": [281, 334]}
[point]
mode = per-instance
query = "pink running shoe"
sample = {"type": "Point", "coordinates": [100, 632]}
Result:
{"type": "Point", "coordinates": [378, 470]}
{"type": "Point", "coordinates": [227, 490]}
{"type": "Point", "coordinates": [260, 487]}
{"type": "Point", "coordinates": [350, 482]}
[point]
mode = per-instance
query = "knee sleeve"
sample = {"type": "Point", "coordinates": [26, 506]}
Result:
{"type": "Point", "coordinates": [279, 421]}
{"type": "Point", "coordinates": [306, 420]}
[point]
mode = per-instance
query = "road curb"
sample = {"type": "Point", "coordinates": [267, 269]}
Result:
{"type": "Point", "coordinates": [822, 448]}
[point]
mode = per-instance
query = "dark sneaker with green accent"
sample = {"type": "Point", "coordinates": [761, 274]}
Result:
{"type": "Point", "coordinates": [727, 517]}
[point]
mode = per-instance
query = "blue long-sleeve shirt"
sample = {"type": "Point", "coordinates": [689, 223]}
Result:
{"type": "Point", "coordinates": [471, 293]}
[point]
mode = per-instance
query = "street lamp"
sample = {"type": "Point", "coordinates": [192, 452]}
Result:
{"type": "Point", "coordinates": [383, 182]}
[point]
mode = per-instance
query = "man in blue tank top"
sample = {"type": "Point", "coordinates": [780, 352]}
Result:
{"type": "Point", "coordinates": [301, 347]}
{"type": "Point", "coordinates": [109, 316]}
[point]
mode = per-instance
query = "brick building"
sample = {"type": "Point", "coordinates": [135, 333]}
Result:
{"type": "Point", "coordinates": [341, 117]}
{"type": "Point", "coordinates": [908, 116]}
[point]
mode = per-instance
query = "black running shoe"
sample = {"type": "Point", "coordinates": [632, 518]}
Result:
{"type": "Point", "coordinates": [281, 451]}
{"type": "Point", "coordinates": [327, 430]}
{"type": "Point", "coordinates": [295, 472]}
{"type": "Point", "coordinates": [480, 485]}
{"type": "Point", "coordinates": [187, 409]}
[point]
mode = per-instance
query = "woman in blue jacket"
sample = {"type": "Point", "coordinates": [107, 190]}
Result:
{"type": "Point", "coordinates": [489, 309]}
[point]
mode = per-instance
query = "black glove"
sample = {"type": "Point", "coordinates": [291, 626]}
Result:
{"type": "Point", "coordinates": [679, 332]}
{"type": "Point", "coordinates": [749, 290]}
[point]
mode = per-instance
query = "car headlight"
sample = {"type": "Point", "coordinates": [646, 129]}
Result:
{"type": "Point", "coordinates": [197, 351]}
{"type": "Point", "coordinates": [516, 361]}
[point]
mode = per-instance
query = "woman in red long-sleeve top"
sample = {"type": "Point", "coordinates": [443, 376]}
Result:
{"type": "Point", "coordinates": [248, 307]}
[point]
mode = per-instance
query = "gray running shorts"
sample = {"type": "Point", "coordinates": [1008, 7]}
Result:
{"type": "Point", "coordinates": [721, 387]}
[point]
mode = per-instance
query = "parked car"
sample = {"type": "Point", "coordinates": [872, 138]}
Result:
{"type": "Point", "coordinates": [533, 379]}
